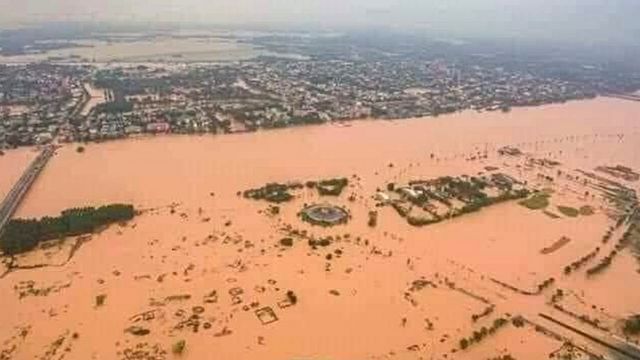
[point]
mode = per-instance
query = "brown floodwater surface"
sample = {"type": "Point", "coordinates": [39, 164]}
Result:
{"type": "Point", "coordinates": [356, 305]}
{"type": "Point", "coordinates": [12, 164]}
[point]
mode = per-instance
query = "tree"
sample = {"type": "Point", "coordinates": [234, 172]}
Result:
{"type": "Point", "coordinates": [22, 235]}
{"type": "Point", "coordinates": [477, 336]}
{"type": "Point", "coordinates": [292, 297]}
{"type": "Point", "coordinates": [464, 343]}
{"type": "Point", "coordinates": [178, 347]}
{"type": "Point", "coordinates": [518, 321]}
{"type": "Point", "coordinates": [499, 322]}
{"type": "Point", "coordinates": [632, 325]}
{"type": "Point", "coordinates": [483, 331]}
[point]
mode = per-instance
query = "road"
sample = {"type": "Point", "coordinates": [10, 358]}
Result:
{"type": "Point", "coordinates": [20, 189]}
{"type": "Point", "coordinates": [631, 97]}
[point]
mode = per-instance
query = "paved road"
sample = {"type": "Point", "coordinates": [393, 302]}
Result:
{"type": "Point", "coordinates": [20, 189]}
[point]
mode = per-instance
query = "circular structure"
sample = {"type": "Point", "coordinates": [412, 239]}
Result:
{"type": "Point", "coordinates": [325, 215]}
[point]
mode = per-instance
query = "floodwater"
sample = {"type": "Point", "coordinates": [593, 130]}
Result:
{"type": "Point", "coordinates": [356, 303]}
{"type": "Point", "coordinates": [12, 164]}
{"type": "Point", "coordinates": [162, 49]}
{"type": "Point", "coordinates": [96, 97]}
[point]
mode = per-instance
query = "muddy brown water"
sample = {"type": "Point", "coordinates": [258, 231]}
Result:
{"type": "Point", "coordinates": [354, 306]}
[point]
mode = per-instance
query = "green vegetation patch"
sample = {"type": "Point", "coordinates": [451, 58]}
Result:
{"type": "Point", "coordinates": [568, 211]}
{"type": "Point", "coordinates": [478, 336]}
{"type": "Point", "coordinates": [329, 187]}
{"type": "Point", "coordinates": [287, 242]}
{"type": "Point", "coordinates": [274, 192]}
{"type": "Point", "coordinates": [179, 347]}
{"type": "Point", "coordinates": [632, 325]}
{"type": "Point", "coordinates": [280, 193]}
{"type": "Point", "coordinates": [586, 210]}
{"type": "Point", "coordinates": [114, 107]}
{"type": "Point", "coordinates": [22, 235]}
{"type": "Point", "coordinates": [537, 201]}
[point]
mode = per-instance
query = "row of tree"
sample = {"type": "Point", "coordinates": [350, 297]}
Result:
{"type": "Point", "coordinates": [482, 333]}
{"type": "Point", "coordinates": [580, 262]}
{"type": "Point", "coordinates": [22, 235]}
{"type": "Point", "coordinates": [607, 260]}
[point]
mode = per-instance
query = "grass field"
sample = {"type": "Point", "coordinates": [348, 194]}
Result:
{"type": "Point", "coordinates": [568, 211]}
{"type": "Point", "coordinates": [536, 201]}
{"type": "Point", "coordinates": [586, 210]}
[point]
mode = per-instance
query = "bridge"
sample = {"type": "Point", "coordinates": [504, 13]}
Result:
{"type": "Point", "coordinates": [20, 189]}
{"type": "Point", "coordinates": [631, 97]}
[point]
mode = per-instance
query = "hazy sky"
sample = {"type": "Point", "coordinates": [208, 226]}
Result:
{"type": "Point", "coordinates": [579, 19]}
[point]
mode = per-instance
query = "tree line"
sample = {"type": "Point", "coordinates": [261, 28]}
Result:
{"type": "Point", "coordinates": [22, 235]}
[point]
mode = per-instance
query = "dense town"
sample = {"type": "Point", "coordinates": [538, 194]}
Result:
{"type": "Point", "coordinates": [41, 103]}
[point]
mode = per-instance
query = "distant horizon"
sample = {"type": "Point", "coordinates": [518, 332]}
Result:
{"type": "Point", "coordinates": [285, 27]}
{"type": "Point", "coordinates": [584, 21]}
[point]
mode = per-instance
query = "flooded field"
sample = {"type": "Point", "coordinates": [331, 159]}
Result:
{"type": "Point", "coordinates": [203, 271]}
{"type": "Point", "coordinates": [162, 49]}
{"type": "Point", "coordinates": [96, 97]}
